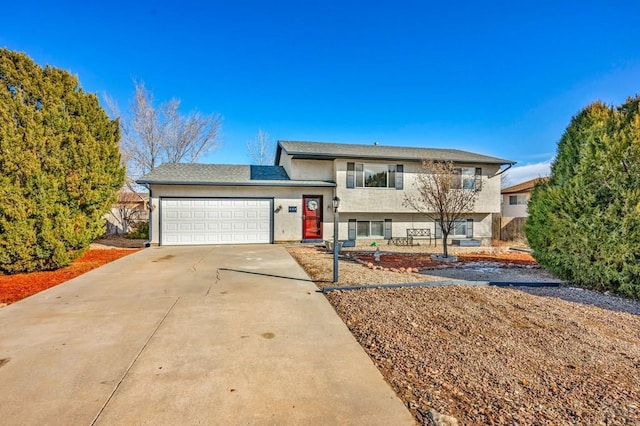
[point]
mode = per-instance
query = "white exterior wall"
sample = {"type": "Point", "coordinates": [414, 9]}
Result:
{"type": "Point", "coordinates": [311, 170]}
{"type": "Point", "coordinates": [286, 226]}
{"type": "Point", "coordinates": [285, 162]}
{"type": "Point", "coordinates": [519, 210]}
{"type": "Point", "coordinates": [392, 200]}
{"type": "Point", "coordinates": [297, 169]}
{"type": "Point", "coordinates": [356, 203]}
{"type": "Point", "coordinates": [400, 222]}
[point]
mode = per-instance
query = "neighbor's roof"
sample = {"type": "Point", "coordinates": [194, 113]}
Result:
{"type": "Point", "coordinates": [223, 174]}
{"type": "Point", "coordinates": [132, 197]}
{"type": "Point", "coordinates": [329, 151]}
{"type": "Point", "coordinates": [523, 187]}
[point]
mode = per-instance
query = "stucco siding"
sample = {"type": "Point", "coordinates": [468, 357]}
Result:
{"type": "Point", "coordinates": [356, 203]}
{"type": "Point", "coordinates": [392, 200]}
{"type": "Point", "coordinates": [400, 222]}
{"type": "Point", "coordinates": [285, 161]}
{"type": "Point", "coordinates": [287, 226]}
{"type": "Point", "coordinates": [519, 210]}
{"type": "Point", "coordinates": [311, 170]}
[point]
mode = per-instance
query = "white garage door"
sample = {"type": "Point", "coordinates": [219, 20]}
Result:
{"type": "Point", "coordinates": [190, 221]}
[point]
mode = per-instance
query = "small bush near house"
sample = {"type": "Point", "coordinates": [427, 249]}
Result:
{"type": "Point", "coordinates": [60, 166]}
{"type": "Point", "coordinates": [584, 223]}
{"type": "Point", "coordinates": [140, 231]}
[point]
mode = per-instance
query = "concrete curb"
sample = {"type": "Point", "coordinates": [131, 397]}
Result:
{"type": "Point", "coordinates": [441, 284]}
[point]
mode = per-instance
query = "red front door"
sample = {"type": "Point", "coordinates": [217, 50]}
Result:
{"type": "Point", "coordinates": [312, 217]}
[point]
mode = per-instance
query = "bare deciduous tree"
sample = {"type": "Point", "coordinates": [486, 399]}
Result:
{"type": "Point", "coordinates": [128, 211]}
{"type": "Point", "coordinates": [442, 196]}
{"type": "Point", "coordinates": [505, 180]}
{"type": "Point", "coordinates": [152, 135]}
{"type": "Point", "coordinates": [260, 149]}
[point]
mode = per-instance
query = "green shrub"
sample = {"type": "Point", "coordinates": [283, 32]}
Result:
{"type": "Point", "coordinates": [140, 231]}
{"type": "Point", "coordinates": [584, 223]}
{"type": "Point", "coordinates": [60, 165]}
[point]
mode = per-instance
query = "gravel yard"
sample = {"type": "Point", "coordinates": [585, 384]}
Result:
{"type": "Point", "coordinates": [488, 355]}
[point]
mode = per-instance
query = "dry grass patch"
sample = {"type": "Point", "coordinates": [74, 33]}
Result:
{"type": "Point", "coordinates": [319, 266]}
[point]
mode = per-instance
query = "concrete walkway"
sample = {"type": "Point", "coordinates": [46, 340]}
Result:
{"type": "Point", "coordinates": [188, 335]}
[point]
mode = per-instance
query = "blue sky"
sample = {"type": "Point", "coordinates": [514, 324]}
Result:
{"type": "Point", "coordinates": [499, 78]}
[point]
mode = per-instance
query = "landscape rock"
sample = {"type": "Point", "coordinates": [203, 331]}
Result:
{"type": "Point", "coordinates": [442, 419]}
{"type": "Point", "coordinates": [490, 355]}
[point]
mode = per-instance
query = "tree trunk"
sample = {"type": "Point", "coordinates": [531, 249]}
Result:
{"type": "Point", "coordinates": [445, 235]}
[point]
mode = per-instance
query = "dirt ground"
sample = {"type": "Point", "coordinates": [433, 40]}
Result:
{"type": "Point", "coordinates": [489, 355]}
{"type": "Point", "coordinates": [117, 241]}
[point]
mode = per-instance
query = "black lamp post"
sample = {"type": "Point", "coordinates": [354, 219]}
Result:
{"type": "Point", "coordinates": [336, 243]}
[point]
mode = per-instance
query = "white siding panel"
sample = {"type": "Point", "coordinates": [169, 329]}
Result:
{"type": "Point", "coordinates": [197, 221]}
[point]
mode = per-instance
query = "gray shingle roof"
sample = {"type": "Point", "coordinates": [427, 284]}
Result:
{"type": "Point", "coordinates": [339, 150]}
{"type": "Point", "coordinates": [223, 174]}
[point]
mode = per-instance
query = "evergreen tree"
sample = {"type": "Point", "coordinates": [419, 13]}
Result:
{"type": "Point", "coordinates": [60, 165]}
{"type": "Point", "coordinates": [584, 223]}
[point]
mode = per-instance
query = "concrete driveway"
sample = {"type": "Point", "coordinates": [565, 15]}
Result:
{"type": "Point", "coordinates": [188, 335]}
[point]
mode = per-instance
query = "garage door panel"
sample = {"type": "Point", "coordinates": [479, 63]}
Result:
{"type": "Point", "coordinates": [215, 221]}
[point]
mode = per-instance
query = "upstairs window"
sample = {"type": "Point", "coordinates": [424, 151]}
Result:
{"type": "Point", "coordinates": [467, 178]}
{"type": "Point", "coordinates": [362, 175]}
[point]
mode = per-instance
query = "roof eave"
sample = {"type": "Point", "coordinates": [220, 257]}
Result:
{"type": "Point", "coordinates": [254, 183]}
{"type": "Point", "coordinates": [327, 156]}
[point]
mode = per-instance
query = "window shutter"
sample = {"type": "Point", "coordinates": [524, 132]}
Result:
{"type": "Point", "coordinates": [387, 229]}
{"type": "Point", "coordinates": [399, 173]}
{"type": "Point", "coordinates": [438, 230]}
{"type": "Point", "coordinates": [351, 175]}
{"type": "Point", "coordinates": [352, 228]}
{"type": "Point", "coordinates": [478, 182]}
{"type": "Point", "coordinates": [469, 228]}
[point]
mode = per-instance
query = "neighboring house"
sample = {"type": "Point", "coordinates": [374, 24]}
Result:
{"type": "Point", "coordinates": [292, 200]}
{"type": "Point", "coordinates": [516, 198]}
{"type": "Point", "coordinates": [130, 209]}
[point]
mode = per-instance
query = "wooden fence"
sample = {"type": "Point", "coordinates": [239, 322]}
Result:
{"type": "Point", "coordinates": [508, 228]}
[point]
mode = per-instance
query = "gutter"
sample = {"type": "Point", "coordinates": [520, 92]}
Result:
{"type": "Point", "coordinates": [255, 183]}
{"type": "Point", "coordinates": [504, 170]}
{"type": "Point", "coordinates": [330, 157]}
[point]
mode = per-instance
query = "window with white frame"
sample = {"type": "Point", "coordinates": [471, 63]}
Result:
{"type": "Point", "coordinates": [366, 228]}
{"type": "Point", "coordinates": [467, 178]}
{"type": "Point", "coordinates": [369, 229]}
{"type": "Point", "coordinates": [372, 175]}
{"type": "Point", "coordinates": [461, 228]}
{"type": "Point", "coordinates": [517, 200]}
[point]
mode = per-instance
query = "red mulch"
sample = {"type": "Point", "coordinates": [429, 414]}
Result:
{"type": "Point", "coordinates": [19, 286]}
{"type": "Point", "coordinates": [412, 260]}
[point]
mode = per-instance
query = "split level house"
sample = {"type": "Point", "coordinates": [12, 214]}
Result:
{"type": "Point", "coordinates": [292, 200]}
